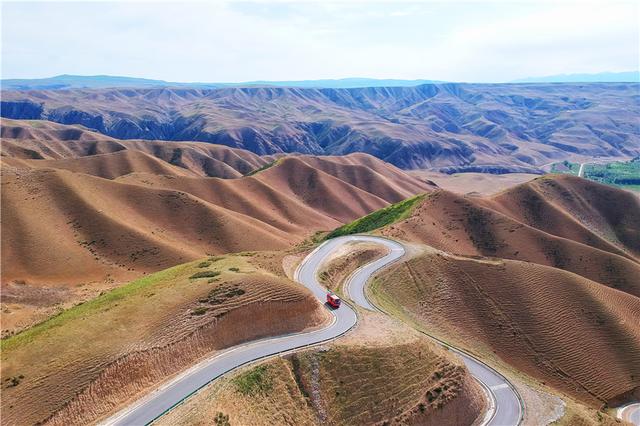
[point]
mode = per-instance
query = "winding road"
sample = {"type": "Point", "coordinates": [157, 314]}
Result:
{"type": "Point", "coordinates": [505, 407]}
{"type": "Point", "coordinates": [630, 413]}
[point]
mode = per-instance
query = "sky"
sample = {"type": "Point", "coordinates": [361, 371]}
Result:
{"type": "Point", "coordinates": [475, 41]}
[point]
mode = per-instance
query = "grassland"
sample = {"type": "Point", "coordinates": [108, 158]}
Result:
{"type": "Point", "coordinates": [383, 217]}
{"type": "Point", "coordinates": [624, 175]}
{"type": "Point", "coordinates": [103, 303]}
{"type": "Point", "coordinates": [621, 174]}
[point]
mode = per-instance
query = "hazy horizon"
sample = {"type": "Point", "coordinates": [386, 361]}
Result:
{"type": "Point", "coordinates": [569, 78]}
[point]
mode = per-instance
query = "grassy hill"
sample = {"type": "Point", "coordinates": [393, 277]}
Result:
{"type": "Point", "coordinates": [383, 217]}
{"type": "Point", "coordinates": [86, 361]}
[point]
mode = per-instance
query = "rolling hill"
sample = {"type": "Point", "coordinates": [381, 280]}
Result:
{"type": "Point", "coordinates": [470, 127]}
{"type": "Point", "coordinates": [570, 333]}
{"type": "Point", "coordinates": [67, 372]}
{"type": "Point", "coordinates": [38, 140]}
{"type": "Point", "coordinates": [473, 226]}
{"type": "Point", "coordinates": [114, 212]}
{"type": "Point", "coordinates": [541, 276]}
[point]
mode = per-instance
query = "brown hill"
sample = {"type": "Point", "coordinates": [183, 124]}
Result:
{"type": "Point", "coordinates": [37, 140]}
{"type": "Point", "coordinates": [577, 209]}
{"type": "Point", "coordinates": [542, 276]}
{"type": "Point", "coordinates": [473, 226]}
{"type": "Point", "coordinates": [89, 360]}
{"type": "Point", "coordinates": [101, 227]}
{"type": "Point", "coordinates": [115, 212]}
{"type": "Point", "coordinates": [569, 332]}
{"type": "Point", "coordinates": [112, 165]}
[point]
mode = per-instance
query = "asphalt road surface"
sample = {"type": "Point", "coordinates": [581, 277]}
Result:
{"type": "Point", "coordinates": [630, 413]}
{"type": "Point", "coordinates": [505, 399]}
{"type": "Point", "coordinates": [507, 407]}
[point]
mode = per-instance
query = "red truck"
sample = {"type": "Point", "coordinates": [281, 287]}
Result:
{"type": "Point", "coordinates": [333, 300]}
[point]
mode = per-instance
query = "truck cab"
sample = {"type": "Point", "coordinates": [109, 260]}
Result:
{"type": "Point", "coordinates": [333, 300]}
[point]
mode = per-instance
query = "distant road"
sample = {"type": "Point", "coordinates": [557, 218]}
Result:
{"type": "Point", "coordinates": [630, 413]}
{"type": "Point", "coordinates": [504, 401]}
{"type": "Point", "coordinates": [581, 170]}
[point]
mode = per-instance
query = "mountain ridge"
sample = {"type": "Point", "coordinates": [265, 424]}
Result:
{"type": "Point", "coordinates": [69, 81]}
{"type": "Point", "coordinates": [448, 126]}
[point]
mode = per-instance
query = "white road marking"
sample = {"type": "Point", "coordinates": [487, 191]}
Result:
{"type": "Point", "coordinates": [500, 386]}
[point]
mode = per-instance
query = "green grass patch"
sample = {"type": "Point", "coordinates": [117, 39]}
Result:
{"type": "Point", "coordinates": [204, 264]}
{"type": "Point", "coordinates": [254, 382]}
{"type": "Point", "coordinates": [620, 174]}
{"type": "Point", "coordinates": [263, 168]}
{"type": "Point", "coordinates": [234, 269]}
{"type": "Point", "coordinates": [383, 217]}
{"type": "Point", "coordinates": [204, 274]}
{"type": "Point", "coordinates": [200, 310]}
{"type": "Point", "coordinates": [87, 308]}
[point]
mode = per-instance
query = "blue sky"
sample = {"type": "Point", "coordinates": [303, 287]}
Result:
{"type": "Point", "coordinates": [231, 42]}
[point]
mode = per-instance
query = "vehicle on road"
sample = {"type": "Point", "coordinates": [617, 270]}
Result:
{"type": "Point", "coordinates": [333, 300]}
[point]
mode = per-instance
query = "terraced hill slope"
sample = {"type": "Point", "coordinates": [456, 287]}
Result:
{"type": "Point", "coordinates": [570, 333]}
{"type": "Point", "coordinates": [542, 276]}
{"type": "Point", "coordinates": [570, 237]}
{"type": "Point", "coordinates": [378, 374]}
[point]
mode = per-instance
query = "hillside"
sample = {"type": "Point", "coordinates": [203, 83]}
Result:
{"type": "Point", "coordinates": [568, 332]}
{"type": "Point", "coordinates": [39, 140]}
{"type": "Point", "coordinates": [116, 215]}
{"type": "Point", "coordinates": [65, 372]}
{"type": "Point", "coordinates": [582, 244]}
{"type": "Point", "coordinates": [470, 127]}
{"type": "Point", "coordinates": [542, 276]}
{"type": "Point", "coordinates": [382, 372]}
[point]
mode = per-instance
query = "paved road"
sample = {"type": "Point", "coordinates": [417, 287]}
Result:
{"type": "Point", "coordinates": [505, 399]}
{"type": "Point", "coordinates": [163, 399]}
{"type": "Point", "coordinates": [630, 413]}
{"type": "Point", "coordinates": [581, 170]}
{"type": "Point", "coordinates": [169, 395]}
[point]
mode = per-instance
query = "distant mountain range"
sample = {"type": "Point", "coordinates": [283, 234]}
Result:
{"type": "Point", "coordinates": [451, 127]}
{"type": "Point", "coordinates": [106, 81]}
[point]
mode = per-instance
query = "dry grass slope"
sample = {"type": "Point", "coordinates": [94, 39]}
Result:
{"type": "Point", "coordinates": [87, 361]}
{"type": "Point", "coordinates": [574, 334]}
{"type": "Point", "coordinates": [410, 383]}
{"type": "Point", "coordinates": [116, 210]}
{"type": "Point", "coordinates": [474, 226]}
{"type": "Point", "coordinates": [336, 270]}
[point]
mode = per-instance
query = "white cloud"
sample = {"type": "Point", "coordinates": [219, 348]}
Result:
{"type": "Point", "coordinates": [204, 41]}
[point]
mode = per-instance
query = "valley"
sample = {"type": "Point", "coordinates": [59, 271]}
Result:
{"type": "Point", "coordinates": [448, 127]}
{"type": "Point", "coordinates": [182, 257]}
{"type": "Point", "coordinates": [344, 213]}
